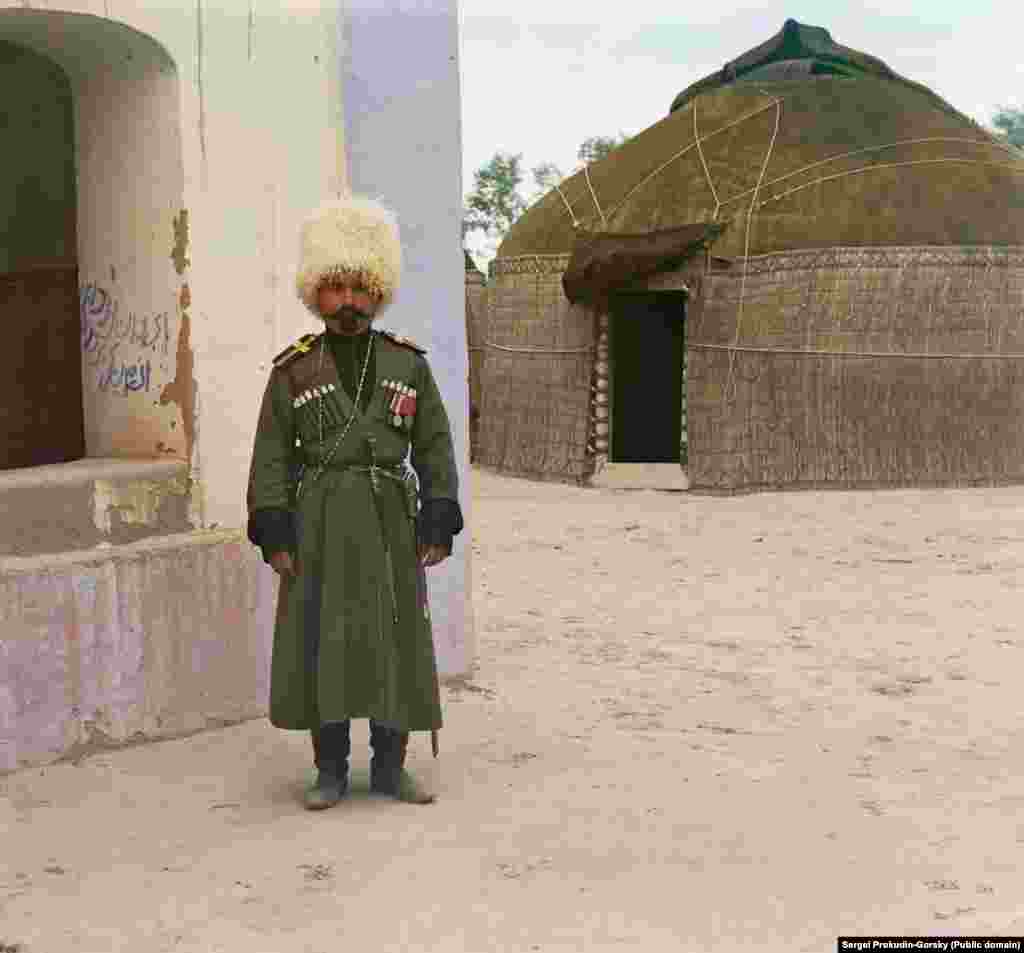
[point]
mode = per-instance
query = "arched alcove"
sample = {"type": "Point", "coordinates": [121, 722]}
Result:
{"type": "Point", "coordinates": [97, 242]}
{"type": "Point", "coordinates": [41, 416]}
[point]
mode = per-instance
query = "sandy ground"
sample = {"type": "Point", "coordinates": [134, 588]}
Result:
{"type": "Point", "coordinates": [698, 724]}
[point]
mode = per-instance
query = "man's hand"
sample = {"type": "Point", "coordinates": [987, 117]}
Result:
{"type": "Point", "coordinates": [282, 563]}
{"type": "Point", "coordinates": [431, 555]}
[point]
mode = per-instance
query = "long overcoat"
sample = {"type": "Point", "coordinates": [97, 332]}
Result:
{"type": "Point", "coordinates": [338, 650]}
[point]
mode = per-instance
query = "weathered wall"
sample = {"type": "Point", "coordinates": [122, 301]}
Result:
{"type": "Point", "coordinates": [403, 136]}
{"type": "Point", "coordinates": [536, 411]}
{"type": "Point", "coordinates": [127, 280]}
{"type": "Point", "coordinates": [145, 641]}
{"type": "Point", "coordinates": [204, 133]}
{"type": "Point", "coordinates": [817, 420]}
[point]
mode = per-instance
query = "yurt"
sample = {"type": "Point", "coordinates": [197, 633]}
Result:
{"type": "Point", "coordinates": [809, 274]}
{"type": "Point", "coordinates": [475, 305]}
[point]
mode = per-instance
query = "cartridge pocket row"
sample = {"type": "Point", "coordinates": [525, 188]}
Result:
{"type": "Point", "coordinates": [308, 407]}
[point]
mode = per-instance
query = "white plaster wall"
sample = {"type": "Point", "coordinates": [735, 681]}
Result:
{"type": "Point", "coordinates": [130, 188]}
{"type": "Point", "coordinates": [231, 112]}
{"type": "Point", "coordinates": [270, 151]}
{"type": "Point", "coordinates": [404, 142]}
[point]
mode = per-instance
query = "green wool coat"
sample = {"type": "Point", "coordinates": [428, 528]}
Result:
{"type": "Point", "coordinates": [338, 652]}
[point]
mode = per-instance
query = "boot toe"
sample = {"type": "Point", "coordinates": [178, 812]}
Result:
{"type": "Point", "coordinates": [410, 791]}
{"type": "Point", "coordinates": [325, 793]}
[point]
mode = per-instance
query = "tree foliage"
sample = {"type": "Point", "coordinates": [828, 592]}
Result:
{"type": "Point", "coordinates": [597, 147]}
{"type": "Point", "coordinates": [1010, 123]}
{"type": "Point", "coordinates": [495, 202]}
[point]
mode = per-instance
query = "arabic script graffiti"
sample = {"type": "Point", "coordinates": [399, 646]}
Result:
{"type": "Point", "coordinates": [127, 377]}
{"type": "Point", "coordinates": [104, 330]}
{"type": "Point", "coordinates": [120, 348]}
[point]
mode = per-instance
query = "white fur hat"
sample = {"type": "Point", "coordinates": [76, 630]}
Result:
{"type": "Point", "coordinates": [350, 237]}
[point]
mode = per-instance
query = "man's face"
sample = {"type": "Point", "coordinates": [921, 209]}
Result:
{"type": "Point", "coordinates": [346, 308]}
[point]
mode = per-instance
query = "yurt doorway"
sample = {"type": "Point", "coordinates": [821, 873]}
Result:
{"type": "Point", "coordinates": [647, 351]}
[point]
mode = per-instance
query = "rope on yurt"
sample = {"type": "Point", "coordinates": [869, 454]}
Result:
{"type": "Point", "coordinates": [787, 350]}
{"type": "Point", "coordinates": [707, 174]}
{"type": "Point", "coordinates": [682, 152]}
{"type": "Point", "coordinates": [1018, 166]}
{"type": "Point", "coordinates": [890, 145]}
{"type": "Point", "coordinates": [586, 172]}
{"type": "Point", "coordinates": [746, 243]}
{"type": "Point", "coordinates": [539, 350]}
{"type": "Point", "coordinates": [575, 222]}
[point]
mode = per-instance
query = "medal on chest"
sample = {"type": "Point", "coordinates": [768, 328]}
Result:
{"type": "Point", "coordinates": [402, 404]}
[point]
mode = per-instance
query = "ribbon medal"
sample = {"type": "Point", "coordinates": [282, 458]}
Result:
{"type": "Point", "coordinates": [393, 386]}
{"type": "Point", "coordinates": [407, 406]}
{"type": "Point", "coordinates": [402, 405]}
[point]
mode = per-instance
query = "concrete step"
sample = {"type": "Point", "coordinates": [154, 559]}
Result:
{"type": "Point", "coordinates": [642, 476]}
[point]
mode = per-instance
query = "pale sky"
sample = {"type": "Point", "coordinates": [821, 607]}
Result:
{"type": "Point", "coordinates": [540, 76]}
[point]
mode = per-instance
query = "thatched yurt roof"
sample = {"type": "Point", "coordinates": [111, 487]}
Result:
{"type": "Point", "coordinates": [796, 52]}
{"type": "Point", "coordinates": [846, 154]}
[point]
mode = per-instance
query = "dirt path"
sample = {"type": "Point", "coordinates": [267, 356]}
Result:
{"type": "Point", "coordinates": [698, 724]}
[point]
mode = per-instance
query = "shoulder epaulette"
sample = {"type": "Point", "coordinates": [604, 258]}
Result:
{"type": "Point", "coordinates": [302, 346]}
{"type": "Point", "coordinates": [401, 341]}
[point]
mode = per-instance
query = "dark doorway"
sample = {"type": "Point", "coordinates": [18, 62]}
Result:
{"type": "Point", "coordinates": [41, 418]}
{"type": "Point", "coordinates": [647, 341]}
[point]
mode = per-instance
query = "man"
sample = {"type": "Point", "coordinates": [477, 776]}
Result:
{"type": "Point", "coordinates": [352, 637]}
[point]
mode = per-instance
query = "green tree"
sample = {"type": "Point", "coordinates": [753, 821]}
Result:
{"type": "Point", "coordinates": [597, 147]}
{"type": "Point", "coordinates": [1010, 123]}
{"type": "Point", "coordinates": [546, 176]}
{"type": "Point", "coordinates": [495, 203]}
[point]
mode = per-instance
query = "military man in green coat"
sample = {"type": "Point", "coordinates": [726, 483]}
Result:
{"type": "Point", "coordinates": [336, 511]}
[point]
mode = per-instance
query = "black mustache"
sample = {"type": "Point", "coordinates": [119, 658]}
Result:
{"type": "Point", "coordinates": [346, 313]}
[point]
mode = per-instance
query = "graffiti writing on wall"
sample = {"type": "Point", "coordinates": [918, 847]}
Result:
{"type": "Point", "coordinates": [118, 347]}
{"type": "Point", "coordinates": [130, 378]}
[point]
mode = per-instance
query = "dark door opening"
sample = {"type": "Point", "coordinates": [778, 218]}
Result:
{"type": "Point", "coordinates": [647, 346]}
{"type": "Point", "coordinates": [41, 416]}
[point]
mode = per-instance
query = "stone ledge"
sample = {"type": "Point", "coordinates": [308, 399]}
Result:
{"type": "Point", "coordinates": [103, 553]}
{"type": "Point", "coordinates": [89, 470]}
{"type": "Point", "coordinates": [76, 506]}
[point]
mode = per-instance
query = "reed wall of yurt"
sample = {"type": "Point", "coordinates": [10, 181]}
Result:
{"type": "Point", "coordinates": [537, 373]}
{"type": "Point", "coordinates": [476, 305]}
{"type": "Point", "coordinates": [859, 367]}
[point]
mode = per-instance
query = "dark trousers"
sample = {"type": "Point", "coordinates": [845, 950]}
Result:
{"type": "Point", "coordinates": [332, 745]}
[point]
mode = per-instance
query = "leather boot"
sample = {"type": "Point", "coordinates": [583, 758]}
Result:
{"type": "Point", "coordinates": [331, 747]}
{"type": "Point", "coordinates": [387, 767]}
